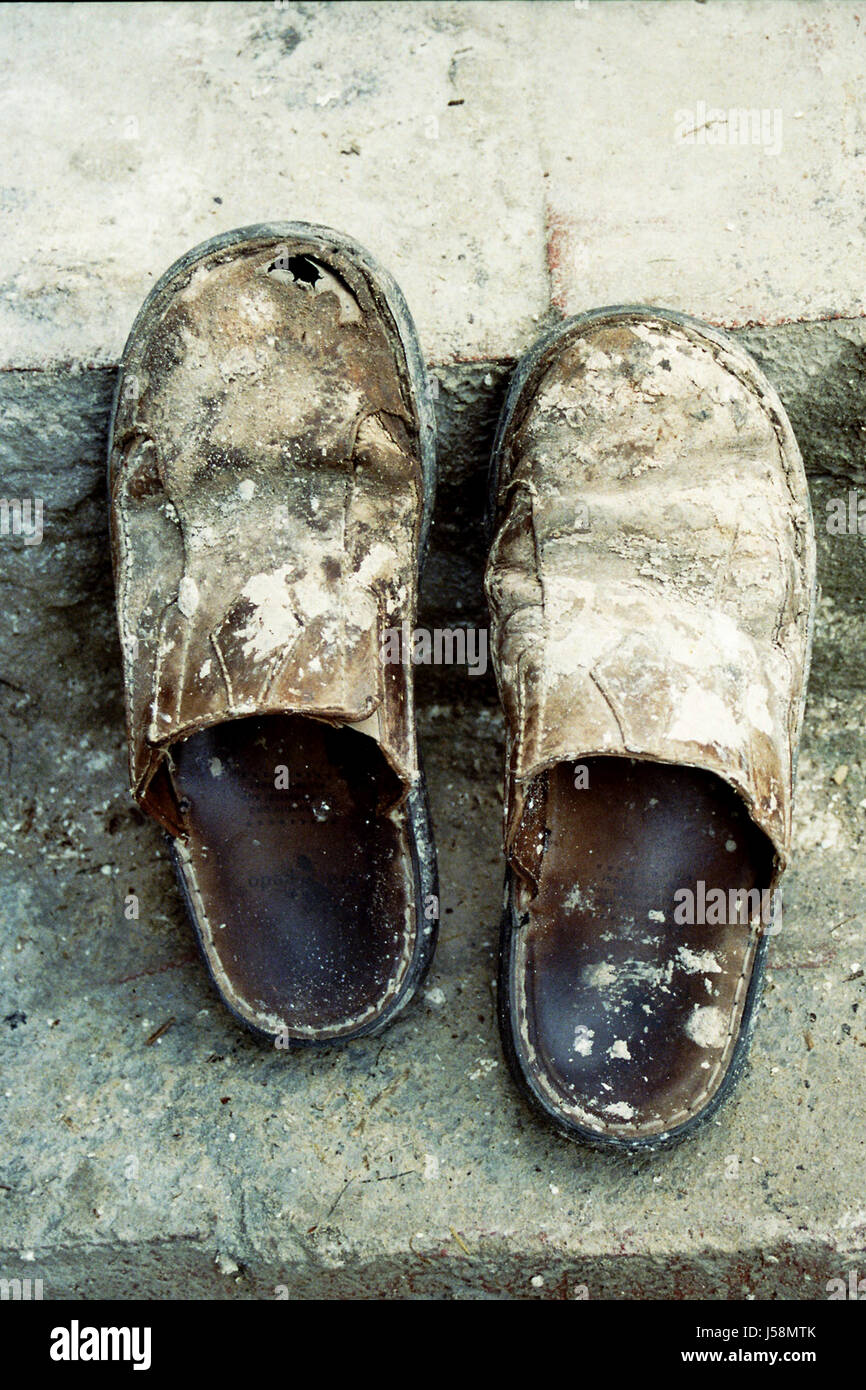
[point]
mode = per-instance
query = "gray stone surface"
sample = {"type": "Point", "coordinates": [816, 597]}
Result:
{"type": "Point", "coordinates": [193, 1163]}
{"type": "Point", "coordinates": [490, 154]}
{"type": "Point", "coordinates": [405, 1164]}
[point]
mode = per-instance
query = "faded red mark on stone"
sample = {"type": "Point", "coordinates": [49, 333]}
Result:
{"type": "Point", "coordinates": [559, 233]}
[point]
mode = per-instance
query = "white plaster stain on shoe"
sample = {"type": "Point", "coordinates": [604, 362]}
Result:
{"type": "Point", "coordinates": [583, 1038]}
{"type": "Point", "coordinates": [698, 962]}
{"type": "Point", "coordinates": [187, 596]}
{"type": "Point", "coordinates": [246, 490]}
{"type": "Point", "coordinates": [273, 623]}
{"type": "Point", "coordinates": [216, 767]}
{"type": "Point", "coordinates": [256, 308]}
{"type": "Point", "coordinates": [195, 284]}
{"type": "Point", "coordinates": [621, 1109]}
{"type": "Point", "coordinates": [378, 561]}
{"type": "Point", "coordinates": [703, 717]}
{"type": "Point", "coordinates": [576, 897]}
{"type": "Point", "coordinates": [620, 1049]}
{"type": "Point", "coordinates": [600, 976]}
{"type": "Point", "coordinates": [707, 1026]}
{"type": "Point", "coordinates": [238, 362]}
{"type": "Point", "coordinates": [756, 709]}
{"type": "Point", "coordinates": [655, 916]}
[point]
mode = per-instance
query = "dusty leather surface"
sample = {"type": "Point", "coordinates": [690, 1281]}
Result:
{"type": "Point", "coordinates": [651, 586]}
{"type": "Point", "coordinates": [651, 577]}
{"type": "Point", "coordinates": [265, 508]}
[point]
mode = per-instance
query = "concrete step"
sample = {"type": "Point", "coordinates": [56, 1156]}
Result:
{"type": "Point", "coordinates": [497, 157]}
{"type": "Point", "coordinates": [151, 1148]}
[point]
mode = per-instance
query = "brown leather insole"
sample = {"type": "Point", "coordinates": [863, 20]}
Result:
{"type": "Point", "coordinates": [630, 1013]}
{"type": "Point", "coordinates": [305, 885]}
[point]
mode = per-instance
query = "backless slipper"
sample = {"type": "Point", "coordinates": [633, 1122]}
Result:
{"type": "Point", "coordinates": [271, 480]}
{"type": "Point", "coordinates": [651, 584]}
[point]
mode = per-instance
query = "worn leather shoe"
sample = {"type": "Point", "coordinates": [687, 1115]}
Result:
{"type": "Point", "coordinates": [651, 586]}
{"type": "Point", "coordinates": [271, 477]}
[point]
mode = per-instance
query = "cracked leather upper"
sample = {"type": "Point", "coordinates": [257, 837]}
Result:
{"type": "Point", "coordinates": [266, 500]}
{"type": "Point", "coordinates": [652, 571]}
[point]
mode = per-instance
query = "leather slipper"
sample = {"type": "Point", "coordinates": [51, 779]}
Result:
{"type": "Point", "coordinates": [271, 478]}
{"type": "Point", "coordinates": [651, 585]}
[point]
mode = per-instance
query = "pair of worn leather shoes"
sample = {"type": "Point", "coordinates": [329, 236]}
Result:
{"type": "Point", "coordinates": [651, 578]}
